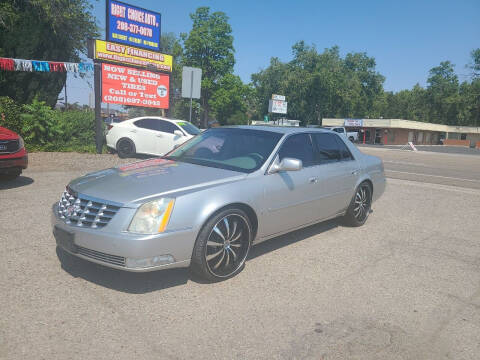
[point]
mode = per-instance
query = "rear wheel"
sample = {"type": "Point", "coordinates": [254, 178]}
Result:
{"type": "Point", "coordinates": [125, 148]}
{"type": "Point", "coordinates": [222, 245]}
{"type": "Point", "coordinates": [360, 205]}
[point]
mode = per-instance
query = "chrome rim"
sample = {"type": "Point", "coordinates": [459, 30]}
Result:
{"type": "Point", "coordinates": [362, 203]}
{"type": "Point", "coordinates": [126, 147]}
{"type": "Point", "coordinates": [227, 245]}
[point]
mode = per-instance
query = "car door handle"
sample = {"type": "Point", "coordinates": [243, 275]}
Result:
{"type": "Point", "coordinates": [313, 180]}
{"type": "Point", "coordinates": [355, 172]}
{"type": "Point", "coordinates": [159, 135]}
{"type": "Point", "coordinates": [133, 131]}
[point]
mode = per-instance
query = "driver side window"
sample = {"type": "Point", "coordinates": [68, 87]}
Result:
{"type": "Point", "coordinates": [299, 147]}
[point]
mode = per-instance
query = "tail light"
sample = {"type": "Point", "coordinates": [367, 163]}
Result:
{"type": "Point", "coordinates": [109, 126]}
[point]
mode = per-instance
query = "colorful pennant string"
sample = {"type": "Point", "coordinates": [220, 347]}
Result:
{"type": "Point", "coordinates": [9, 64]}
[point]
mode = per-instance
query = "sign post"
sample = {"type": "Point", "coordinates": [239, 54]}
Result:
{"type": "Point", "coordinates": [98, 107]}
{"type": "Point", "coordinates": [191, 84]}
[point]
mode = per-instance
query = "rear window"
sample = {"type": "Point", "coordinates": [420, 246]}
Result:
{"type": "Point", "coordinates": [189, 128]}
{"type": "Point", "coordinates": [328, 149]}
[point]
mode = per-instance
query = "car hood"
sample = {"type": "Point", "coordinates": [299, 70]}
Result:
{"type": "Point", "coordinates": [6, 134]}
{"type": "Point", "coordinates": [136, 183]}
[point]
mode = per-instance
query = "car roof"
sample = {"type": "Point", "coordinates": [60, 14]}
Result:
{"type": "Point", "coordinates": [157, 118]}
{"type": "Point", "coordinates": [279, 129]}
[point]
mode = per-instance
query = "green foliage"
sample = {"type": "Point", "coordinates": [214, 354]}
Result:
{"type": "Point", "coordinates": [475, 65]}
{"type": "Point", "coordinates": [42, 30]}
{"type": "Point", "coordinates": [238, 118]}
{"type": "Point", "coordinates": [321, 85]}
{"type": "Point", "coordinates": [39, 124]}
{"type": "Point", "coordinates": [44, 129]}
{"type": "Point", "coordinates": [229, 99]}
{"type": "Point", "coordinates": [11, 113]}
{"type": "Point", "coordinates": [209, 46]}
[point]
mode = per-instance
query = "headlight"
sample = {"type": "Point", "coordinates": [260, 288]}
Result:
{"type": "Point", "coordinates": [152, 217]}
{"type": "Point", "coordinates": [21, 143]}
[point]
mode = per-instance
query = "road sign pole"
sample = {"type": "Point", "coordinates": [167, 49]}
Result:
{"type": "Point", "coordinates": [191, 95]}
{"type": "Point", "coordinates": [98, 107]}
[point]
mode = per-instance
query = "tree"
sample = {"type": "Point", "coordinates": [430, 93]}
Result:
{"type": "Point", "coordinates": [209, 46]}
{"type": "Point", "coordinates": [442, 91]}
{"type": "Point", "coordinates": [55, 30]}
{"type": "Point", "coordinates": [475, 65]}
{"type": "Point", "coordinates": [321, 85]}
{"type": "Point", "coordinates": [229, 98]}
{"type": "Point", "coordinates": [171, 45]}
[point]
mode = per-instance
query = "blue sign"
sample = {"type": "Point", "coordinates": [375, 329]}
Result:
{"type": "Point", "coordinates": [132, 25]}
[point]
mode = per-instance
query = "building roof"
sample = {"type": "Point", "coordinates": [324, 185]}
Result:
{"type": "Point", "coordinates": [278, 129]}
{"type": "Point", "coordinates": [406, 124]}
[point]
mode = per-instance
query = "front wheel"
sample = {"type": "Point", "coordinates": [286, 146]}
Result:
{"type": "Point", "coordinates": [360, 205]}
{"type": "Point", "coordinates": [222, 245]}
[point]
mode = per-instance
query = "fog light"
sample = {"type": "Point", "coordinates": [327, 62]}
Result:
{"type": "Point", "coordinates": [149, 262]}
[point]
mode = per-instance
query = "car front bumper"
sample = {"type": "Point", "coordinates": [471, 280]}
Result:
{"type": "Point", "coordinates": [118, 249]}
{"type": "Point", "coordinates": [18, 160]}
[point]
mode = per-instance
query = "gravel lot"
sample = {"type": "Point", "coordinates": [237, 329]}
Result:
{"type": "Point", "coordinates": [404, 286]}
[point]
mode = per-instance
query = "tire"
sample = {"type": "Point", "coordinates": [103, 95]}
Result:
{"type": "Point", "coordinates": [222, 246]}
{"type": "Point", "coordinates": [360, 206]}
{"type": "Point", "coordinates": [125, 148]}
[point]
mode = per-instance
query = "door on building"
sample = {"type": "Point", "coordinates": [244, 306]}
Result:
{"type": "Point", "coordinates": [378, 136]}
{"type": "Point", "coordinates": [410, 136]}
{"type": "Point", "coordinates": [428, 138]}
{"type": "Point", "coordinates": [420, 137]}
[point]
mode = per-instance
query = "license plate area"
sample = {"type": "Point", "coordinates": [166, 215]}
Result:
{"type": "Point", "coordinates": [64, 239]}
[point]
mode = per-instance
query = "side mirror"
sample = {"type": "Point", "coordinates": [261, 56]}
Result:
{"type": "Point", "coordinates": [287, 164]}
{"type": "Point", "coordinates": [177, 133]}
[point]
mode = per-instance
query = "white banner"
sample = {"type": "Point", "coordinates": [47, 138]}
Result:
{"type": "Point", "coordinates": [277, 106]}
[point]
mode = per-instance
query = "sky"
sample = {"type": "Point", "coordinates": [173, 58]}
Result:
{"type": "Point", "coordinates": [406, 38]}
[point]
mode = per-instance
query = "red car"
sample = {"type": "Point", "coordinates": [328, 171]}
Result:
{"type": "Point", "coordinates": [13, 156]}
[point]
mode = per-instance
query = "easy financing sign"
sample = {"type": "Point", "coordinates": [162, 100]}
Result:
{"type": "Point", "coordinates": [132, 25]}
{"type": "Point", "coordinates": [128, 86]}
{"type": "Point", "coordinates": [109, 51]}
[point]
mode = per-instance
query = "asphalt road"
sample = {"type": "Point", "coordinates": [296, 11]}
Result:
{"type": "Point", "coordinates": [404, 286]}
{"type": "Point", "coordinates": [438, 168]}
{"type": "Point", "coordinates": [430, 148]}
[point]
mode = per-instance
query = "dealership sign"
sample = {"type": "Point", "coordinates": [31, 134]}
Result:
{"type": "Point", "coordinates": [128, 86]}
{"type": "Point", "coordinates": [125, 54]}
{"type": "Point", "coordinates": [132, 25]}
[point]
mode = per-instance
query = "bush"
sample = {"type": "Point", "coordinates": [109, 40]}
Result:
{"type": "Point", "coordinates": [39, 124]}
{"type": "Point", "coordinates": [11, 112]}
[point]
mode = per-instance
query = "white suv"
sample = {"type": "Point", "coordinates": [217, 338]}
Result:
{"type": "Point", "coordinates": [149, 135]}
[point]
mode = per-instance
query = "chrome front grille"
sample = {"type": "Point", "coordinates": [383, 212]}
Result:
{"type": "Point", "coordinates": [100, 256]}
{"type": "Point", "coordinates": [84, 211]}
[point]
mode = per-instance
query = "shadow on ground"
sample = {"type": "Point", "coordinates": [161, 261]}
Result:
{"type": "Point", "coordinates": [140, 283]}
{"type": "Point", "coordinates": [15, 183]}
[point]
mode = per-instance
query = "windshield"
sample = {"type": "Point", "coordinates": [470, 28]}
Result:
{"type": "Point", "coordinates": [234, 149]}
{"type": "Point", "coordinates": [189, 127]}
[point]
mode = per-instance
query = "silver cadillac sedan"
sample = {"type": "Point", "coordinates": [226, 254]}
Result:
{"type": "Point", "coordinates": [208, 201]}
